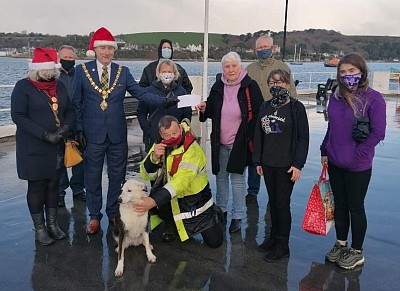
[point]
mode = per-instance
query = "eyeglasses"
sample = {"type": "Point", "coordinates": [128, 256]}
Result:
{"type": "Point", "coordinates": [275, 83]}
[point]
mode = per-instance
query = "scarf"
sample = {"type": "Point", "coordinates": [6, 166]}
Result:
{"type": "Point", "coordinates": [48, 87]}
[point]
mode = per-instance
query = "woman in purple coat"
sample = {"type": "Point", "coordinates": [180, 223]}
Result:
{"type": "Point", "coordinates": [349, 154]}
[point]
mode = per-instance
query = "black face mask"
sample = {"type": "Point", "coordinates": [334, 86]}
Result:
{"type": "Point", "coordinates": [67, 64]}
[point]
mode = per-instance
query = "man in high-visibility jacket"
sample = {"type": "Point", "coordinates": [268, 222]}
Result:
{"type": "Point", "coordinates": [184, 201]}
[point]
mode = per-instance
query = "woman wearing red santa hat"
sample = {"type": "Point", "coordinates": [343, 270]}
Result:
{"type": "Point", "coordinates": [41, 109]}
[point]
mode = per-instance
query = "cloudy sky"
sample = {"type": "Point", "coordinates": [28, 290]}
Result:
{"type": "Point", "coordinates": [350, 17]}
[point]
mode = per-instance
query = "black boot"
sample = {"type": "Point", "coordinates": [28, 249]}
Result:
{"type": "Point", "coordinates": [170, 232]}
{"type": "Point", "coordinates": [268, 244]}
{"type": "Point", "coordinates": [281, 250]}
{"type": "Point", "coordinates": [41, 234]}
{"type": "Point", "coordinates": [236, 225]}
{"type": "Point", "coordinates": [52, 226]}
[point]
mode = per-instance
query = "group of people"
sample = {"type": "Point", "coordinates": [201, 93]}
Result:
{"type": "Point", "coordinates": [257, 124]}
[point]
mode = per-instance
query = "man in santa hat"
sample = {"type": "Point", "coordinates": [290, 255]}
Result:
{"type": "Point", "coordinates": [99, 89]}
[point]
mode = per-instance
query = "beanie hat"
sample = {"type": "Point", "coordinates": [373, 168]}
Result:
{"type": "Point", "coordinates": [101, 37]}
{"type": "Point", "coordinates": [44, 59]}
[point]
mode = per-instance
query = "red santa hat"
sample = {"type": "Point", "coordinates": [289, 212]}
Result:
{"type": "Point", "coordinates": [101, 37]}
{"type": "Point", "coordinates": [44, 59]}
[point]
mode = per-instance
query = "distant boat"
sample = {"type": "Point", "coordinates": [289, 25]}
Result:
{"type": "Point", "coordinates": [395, 74]}
{"type": "Point", "coordinates": [296, 61]}
{"type": "Point", "coordinates": [331, 62]}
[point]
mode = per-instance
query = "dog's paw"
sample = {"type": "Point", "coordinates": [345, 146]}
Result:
{"type": "Point", "coordinates": [119, 271]}
{"type": "Point", "coordinates": [152, 258]}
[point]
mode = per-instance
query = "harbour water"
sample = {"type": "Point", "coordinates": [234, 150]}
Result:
{"type": "Point", "coordinates": [12, 70]}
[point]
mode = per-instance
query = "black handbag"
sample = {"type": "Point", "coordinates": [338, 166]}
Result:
{"type": "Point", "coordinates": [361, 129]}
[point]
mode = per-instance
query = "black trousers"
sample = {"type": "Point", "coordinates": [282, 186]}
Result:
{"type": "Point", "coordinates": [213, 236]}
{"type": "Point", "coordinates": [349, 191]}
{"type": "Point", "coordinates": [279, 187]}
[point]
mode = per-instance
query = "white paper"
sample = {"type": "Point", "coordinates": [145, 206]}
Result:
{"type": "Point", "coordinates": [189, 100]}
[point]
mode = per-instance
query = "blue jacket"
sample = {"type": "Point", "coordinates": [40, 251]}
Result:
{"type": "Point", "coordinates": [150, 114]}
{"type": "Point", "coordinates": [96, 123]}
{"type": "Point", "coordinates": [340, 147]}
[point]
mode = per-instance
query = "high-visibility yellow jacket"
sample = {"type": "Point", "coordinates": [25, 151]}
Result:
{"type": "Point", "coordinates": [187, 190]}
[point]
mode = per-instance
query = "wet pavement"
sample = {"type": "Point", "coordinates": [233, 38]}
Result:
{"type": "Point", "coordinates": [83, 262]}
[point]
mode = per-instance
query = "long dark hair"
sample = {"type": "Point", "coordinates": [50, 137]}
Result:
{"type": "Point", "coordinates": [352, 97]}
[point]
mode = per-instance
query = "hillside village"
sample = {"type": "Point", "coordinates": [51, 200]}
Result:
{"type": "Point", "coordinates": [315, 44]}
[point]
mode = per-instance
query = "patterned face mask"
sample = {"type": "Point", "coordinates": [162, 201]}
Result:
{"type": "Point", "coordinates": [351, 81]}
{"type": "Point", "coordinates": [167, 78]}
{"type": "Point", "coordinates": [279, 96]}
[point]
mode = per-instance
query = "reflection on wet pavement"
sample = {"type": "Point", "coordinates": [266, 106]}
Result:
{"type": "Point", "coordinates": [83, 262]}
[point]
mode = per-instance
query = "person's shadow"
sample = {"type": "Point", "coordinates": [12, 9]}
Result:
{"type": "Point", "coordinates": [328, 276]}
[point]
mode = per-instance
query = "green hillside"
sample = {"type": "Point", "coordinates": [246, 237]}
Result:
{"type": "Point", "coordinates": [183, 38]}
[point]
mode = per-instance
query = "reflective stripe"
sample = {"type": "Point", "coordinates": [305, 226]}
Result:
{"type": "Point", "coordinates": [198, 211]}
{"type": "Point", "coordinates": [188, 166]}
{"type": "Point", "coordinates": [150, 175]}
{"type": "Point", "coordinates": [170, 189]}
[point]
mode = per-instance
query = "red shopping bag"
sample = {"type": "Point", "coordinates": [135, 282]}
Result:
{"type": "Point", "coordinates": [318, 218]}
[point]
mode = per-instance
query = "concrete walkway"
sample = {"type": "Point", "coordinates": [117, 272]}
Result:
{"type": "Point", "coordinates": [83, 262]}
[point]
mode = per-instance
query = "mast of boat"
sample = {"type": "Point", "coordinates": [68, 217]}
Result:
{"type": "Point", "coordinates": [294, 56]}
{"type": "Point", "coordinates": [203, 128]}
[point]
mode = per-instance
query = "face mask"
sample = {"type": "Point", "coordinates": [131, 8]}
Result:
{"type": "Point", "coordinates": [67, 64]}
{"type": "Point", "coordinates": [264, 54]}
{"type": "Point", "coordinates": [173, 141]}
{"type": "Point", "coordinates": [166, 53]}
{"type": "Point", "coordinates": [279, 96]}
{"type": "Point", "coordinates": [167, 78]}
{"type": "Point", "coordinates": [351, 81]}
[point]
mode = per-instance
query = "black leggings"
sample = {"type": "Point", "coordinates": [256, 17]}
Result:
{"type": "Point", "coordinates": [279, 188]}
{"type": "Point", "coordinates": [349, 191]}
{"type": "Point", "coordinates": [42, 193]}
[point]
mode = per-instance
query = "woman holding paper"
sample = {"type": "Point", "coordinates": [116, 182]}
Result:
{"type": "Point", "coordinates": [233, 107]}
{"type": "Point", "coordinates": [150, 114]}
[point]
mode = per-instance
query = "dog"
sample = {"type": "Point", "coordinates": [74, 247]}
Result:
{"type": "Point", "coordinates": [131, 228]}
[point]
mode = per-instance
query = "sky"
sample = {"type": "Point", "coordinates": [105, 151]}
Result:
{"type": "Point", "coordinates": [349, 17]}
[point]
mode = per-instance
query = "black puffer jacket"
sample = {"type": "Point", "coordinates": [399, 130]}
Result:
{"type": "Point", "coordinates": [240, 155]}
{"type": "Point", "coordinates": [149, 72]}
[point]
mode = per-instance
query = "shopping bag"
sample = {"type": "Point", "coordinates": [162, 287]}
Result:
{"type": "Point", "coordinates": [72, 155]}
{"type": "Point", "coordinates": [318, 218]}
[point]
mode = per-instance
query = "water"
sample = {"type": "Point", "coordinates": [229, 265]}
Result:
{"type": "Point", "coordinates": [12, 70]}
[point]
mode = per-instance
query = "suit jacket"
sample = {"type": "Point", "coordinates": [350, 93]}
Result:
{"type": "Point", "coordinates": [90, 118]}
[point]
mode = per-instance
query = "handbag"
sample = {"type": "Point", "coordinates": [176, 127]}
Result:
{"type": "Point", "coordinates": [72, 155]}
{"type": "Point", "coordinates": [318, 218]}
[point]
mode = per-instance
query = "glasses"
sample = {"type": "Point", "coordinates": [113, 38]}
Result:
{"type": "Point", "coordinates": [275, 83]}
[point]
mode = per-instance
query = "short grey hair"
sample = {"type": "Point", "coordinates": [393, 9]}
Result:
{"type": "Point", "coordinates": [266, 37]}
{"type": "Point", "coordinates": [69, 47]}
{"type": "Point", "coordinates": [170, 63]}
{"type": "Point", "coordinates": [35, 75]}
{"type": "Point", "coordinates": [166, 121]}
{"type": "Point", "coordinates": [233, 57]}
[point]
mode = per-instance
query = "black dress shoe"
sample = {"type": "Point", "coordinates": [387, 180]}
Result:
{"type": "Point", "coordinates": [236, 225]}
{"type": "Point", "coordinates": [61, 201]}
{"type": "Point", "coordinates": [80, 196]}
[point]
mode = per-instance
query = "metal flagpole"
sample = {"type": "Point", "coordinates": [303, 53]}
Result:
{"type": "Point", "coordinates": [284, 31]}
{"type": "Point", "coordinates": [203, 128]}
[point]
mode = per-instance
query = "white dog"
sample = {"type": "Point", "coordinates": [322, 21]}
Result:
{"type": "Point", "coordinates": [132, 228]}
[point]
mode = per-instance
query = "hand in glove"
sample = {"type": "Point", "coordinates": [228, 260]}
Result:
{"type": "Point", "coordinates": [80, 138]}
{"type": "Point", "coordinates": [63, 131]}
{"type": "Point", "coordinates": [170, 100]}
{"type": "Point", "coordinates": [53, 138]}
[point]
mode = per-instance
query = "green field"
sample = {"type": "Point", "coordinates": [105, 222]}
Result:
{"type": "Point", "coordinates": [183, 38]}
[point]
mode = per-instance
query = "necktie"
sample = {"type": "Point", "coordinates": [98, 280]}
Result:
{"type": "Point", "coordinates": [104, 79]}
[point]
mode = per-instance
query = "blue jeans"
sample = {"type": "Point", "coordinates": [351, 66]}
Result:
{"type": "Point", "coordinates": [76, 182]}
{"type": "Point", "coordinates": [238, 186]}
{"type": "Point", "coordinates": [253, 180]}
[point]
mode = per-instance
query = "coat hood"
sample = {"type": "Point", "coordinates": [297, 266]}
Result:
{"type": "Point", "coordinates": [160, 46]}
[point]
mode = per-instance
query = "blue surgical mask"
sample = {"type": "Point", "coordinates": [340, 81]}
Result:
{"type": "Point", "coordinates": [264, 54]}
{"type": "Point", "coordinates": [166, 53]}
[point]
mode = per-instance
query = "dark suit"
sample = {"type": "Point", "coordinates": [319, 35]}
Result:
{"type": "Point", "coordinates": [105, 131]}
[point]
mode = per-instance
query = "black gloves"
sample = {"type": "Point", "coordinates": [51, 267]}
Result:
{"type": "Point", "coordinates": [80, 138]}
{"type": "Point", "coordinates": [53, 138]}
{"type": "Point", "coordinates": [63, 131]}
{"type": "Point", "coordinates": [170, 100]}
